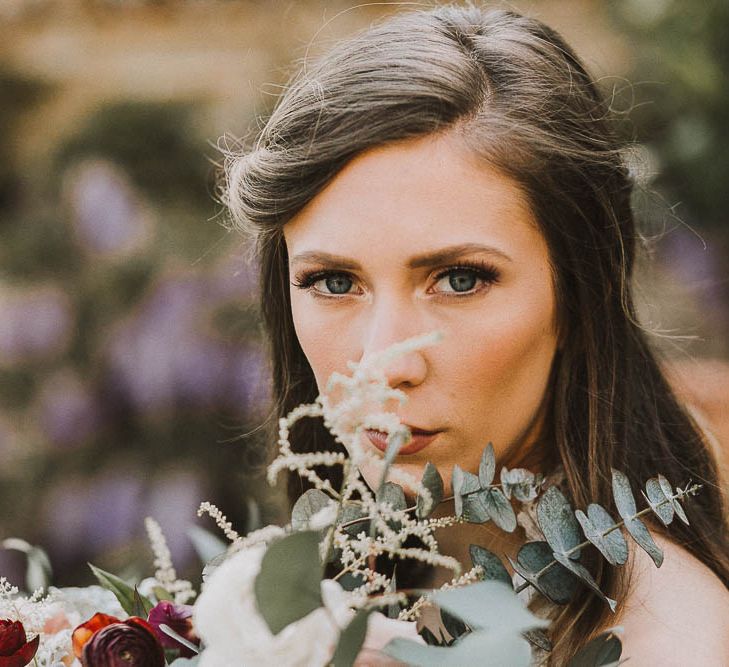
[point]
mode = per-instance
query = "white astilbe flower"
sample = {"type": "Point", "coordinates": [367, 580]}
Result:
{"type": "Point", "coordinates": [220, 520]}
{"type": "Point", "coordinates": [166, 574]}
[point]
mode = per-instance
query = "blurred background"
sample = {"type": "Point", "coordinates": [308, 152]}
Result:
{"type": "Point", "coordinates": [132, 373]}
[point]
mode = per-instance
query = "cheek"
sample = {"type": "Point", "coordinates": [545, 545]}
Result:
{"type": "Point", "coordinates": [325, 341]}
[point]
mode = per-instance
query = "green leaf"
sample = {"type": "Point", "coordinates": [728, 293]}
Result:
{"type": "Point", "coordinates": [613, 545]}
{"type": "Point", "coordinates": [142, 605]}
{"type": "Point", "coordinates": [351, 640]}
{"type": "Point", "coordinates": [474, 509]}
{"type": "Point", "coordinates": [487, 467]}
{"type": "Point", "coordinates": [308, 504]}
{"type": "Point", "coordinates": [655, 495]}
{"type": "Point", "coordinates": [477, 649]}
{"type": "Point", "coordinates": [170, 632]}
{"type": "Point", "coordinates": [602, 651]}
{"type": "Point", "coordinates": [557, 522]}
{"type": "Point", "coordinates": [499, 509]}
{"type": "Point", "coordinates": [393, 494]}
{"type": "Point", "coordinates": [350, 512]}
{"type": "Point", "coordinates": [434, 483]}
{"type": "Point", "coordinates": [463, 483]}
{"type": "Point", "coordinates": [625, 503]}
{"type": "Point", "coordinates": [121, 589]}
{"type": "Point", "coordinates": [584, 576]}
{"type": "Point", "coordinates": [556, 584]}
{"type": "Point", "coordinates": [162, 593]}
{"type": "Point", "coordinates": [493, 568]}
{"type": "Point", "coordinates": [488, 604]}
{"type": "Point", "coordinates": [186, 662]}
{"type": "Point", "coordinates": [288, 586]}
{"type": "Point", "coordinates": [666, 487]}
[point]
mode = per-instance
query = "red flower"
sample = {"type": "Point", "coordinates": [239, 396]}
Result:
{"type": "Point", "coordinates": [15, 649]}
{"type": "Point", "coordinates": [179, 618]}
{"type": "Point", "coordinates": [105, 641]}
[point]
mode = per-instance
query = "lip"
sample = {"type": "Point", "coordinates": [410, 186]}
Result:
{"type": "Point", "coordinates": [420, 440]}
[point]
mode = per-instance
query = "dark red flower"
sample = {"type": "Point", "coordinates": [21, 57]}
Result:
{"type": "Point", "coordinates": [84, 632]}
{"type": "Point", "coordinates": [15, 649]}
{"type": "Point", "coordinates": [179, 618]}
{"type": "Point", "coordinates": [131, 643]}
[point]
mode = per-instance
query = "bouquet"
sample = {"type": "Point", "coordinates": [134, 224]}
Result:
{"type": "Point", "coordinates": [314, 592]}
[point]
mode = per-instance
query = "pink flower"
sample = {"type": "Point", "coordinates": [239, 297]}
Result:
{"type": "Point", "coordinates": [179, 618]}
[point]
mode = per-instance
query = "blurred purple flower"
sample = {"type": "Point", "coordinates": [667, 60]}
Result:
{"type": "Point", "coordinates": [173, 501]}
{"type": "Point", "coordinates": [35, 323]}
{"type": "Point", "coordinates": [93, 516]}
{"type": "Point", "coordinates": [167, 355]}
{"type": "Point", "coordinates": [109, 216]}
{"type": "Point", "coordinates": [68, 413]}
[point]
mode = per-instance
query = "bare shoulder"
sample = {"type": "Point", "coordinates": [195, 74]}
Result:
{"type": "Point", "coordinates": [677, 614]}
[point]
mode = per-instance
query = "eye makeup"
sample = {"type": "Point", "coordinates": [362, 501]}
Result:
{"type": "Point", "coordinates": [484, 272]}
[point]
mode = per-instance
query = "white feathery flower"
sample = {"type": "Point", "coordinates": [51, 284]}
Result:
{"type": "Point", "coordinates": [227, 619]}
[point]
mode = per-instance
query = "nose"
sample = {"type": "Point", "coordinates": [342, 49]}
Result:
{"type": "Point", "coordinates": [388, 323]}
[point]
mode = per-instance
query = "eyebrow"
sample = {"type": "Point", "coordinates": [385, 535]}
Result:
{"type": "Point", "coordinates": [430, 259]}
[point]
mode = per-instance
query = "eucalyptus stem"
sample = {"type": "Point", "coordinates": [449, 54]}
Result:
{"type": "Point", "coordinates": [616, 526]}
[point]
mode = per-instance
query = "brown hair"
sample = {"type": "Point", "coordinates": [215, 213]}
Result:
{"type": "Point", "coordinates": [520, 98]}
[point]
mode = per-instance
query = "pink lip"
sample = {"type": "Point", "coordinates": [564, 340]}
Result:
{"type": "Point", "coordinates": [420, 440]}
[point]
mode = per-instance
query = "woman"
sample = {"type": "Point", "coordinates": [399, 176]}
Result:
{"type": "Point", "coordinates": [456, 169]}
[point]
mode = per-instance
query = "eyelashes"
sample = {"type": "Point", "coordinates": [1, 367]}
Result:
{"type": "Point", "coordinates": [484, 274]}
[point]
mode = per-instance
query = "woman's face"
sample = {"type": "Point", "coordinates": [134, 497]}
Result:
{"type": "Point", "coordinates": [419, 236]}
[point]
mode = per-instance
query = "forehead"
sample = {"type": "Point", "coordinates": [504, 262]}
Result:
{"type": "Point", "coordinates": [415, 195]}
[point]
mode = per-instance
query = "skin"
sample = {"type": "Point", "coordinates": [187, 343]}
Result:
{"type": "Point", "coordinates": [486, 381]}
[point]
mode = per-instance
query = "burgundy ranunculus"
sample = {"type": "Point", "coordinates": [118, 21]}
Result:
{"type": "Point", "coordinates": [131, 643]}
{"type": "Point", "coordinates": [15, 649]}
{"type": "Point", "coordinates": [179, 618]}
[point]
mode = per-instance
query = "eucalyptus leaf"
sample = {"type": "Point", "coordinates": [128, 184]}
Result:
{"type": "Point", "coordinates": [659, 503]}
{"type": "Point", "coordinates": [584, 576]}
{"type": "Point", "coordinates": [170, 632]}
{"type": "Point", "coordinates": [488, 604]}
{"type": "Point", "coordinates": [351, 640]}
{"type": "Point", "coordinates": [613, 545]}
{"type": "Point", "coordinates": [463, 483]}
{"type": "Point", "coordinates": [477, 649]}
{"type": "Point", "coordinates": [557, 522]}
{"type": "Point", "coordinates": [493, 568]}
{"type": "Point", "coordinates": [393, 494]}
{"type": "Point", "coordinates": [432, 481]}
{"type": "Point", "coordinates": [121, 589]}
{"type": "Point", "coordinates": [556, 583]}
{"type": "Point", "coordinates": [602, 651]}
{"type": "Point", "coordinates": [623, 494]}
{"type": "Point", "coordinates": [520, 483]}
{"type": "Point", "coordinates": [474, 508]}
{"type": "Point", "coordinates": [394, 442]}
{"type": "Point", "coordinates": [487, 466]}
{"type": "Point", "coordinates": [288, 586]}
{"type": "Point", "coordinates": [666, 488]}
{"type": "Point", "coordinates": [499, 509]}
{"type": "Point", "coordinates": [186, 662]}
{"type": "Point", "coordinates": [640, 534]}
{"type": "Point", "coordinates": [308, 504]}
{"type": "Point", "coordinates": [539, 639]}
{"type": "Point", "coordinates": [352, 512]}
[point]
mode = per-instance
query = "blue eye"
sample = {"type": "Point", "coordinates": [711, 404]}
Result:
{"type": "Point", "coordinates": [462, 280]}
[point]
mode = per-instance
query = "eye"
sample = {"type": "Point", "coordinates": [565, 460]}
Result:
{"type": "Point", "coordinates": [325, 283]}
{"type": "Point", "coordinates": [466, 279]}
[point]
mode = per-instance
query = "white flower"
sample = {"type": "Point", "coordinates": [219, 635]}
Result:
{"type": "Point", "coordinates": [226, 618]}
